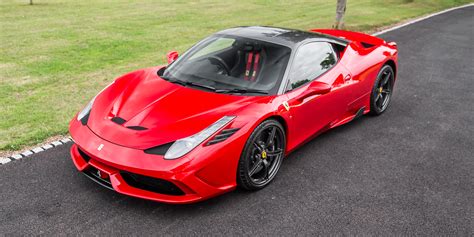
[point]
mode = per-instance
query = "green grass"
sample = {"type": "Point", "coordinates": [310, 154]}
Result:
{"type": "Point", "coordinates": [56, 55]}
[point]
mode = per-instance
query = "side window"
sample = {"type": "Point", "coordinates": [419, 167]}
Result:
{"type": "Point", "coordinates": [311, 60]}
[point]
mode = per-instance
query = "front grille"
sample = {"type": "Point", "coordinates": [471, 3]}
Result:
{"type": "Point", "coordinates": [151, 184]}
{"type": "Point", "coordinates": [92, 173]}
{"type": "Point", "coordinates": [135, 180]}
{"type": "Point", "coordinates": [84, 155]}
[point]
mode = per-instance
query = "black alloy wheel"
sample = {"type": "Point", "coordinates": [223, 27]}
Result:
{"type": "Point", "coordinates": [382, 91]}
{"type": "Point", "coordinates": [262, 155]}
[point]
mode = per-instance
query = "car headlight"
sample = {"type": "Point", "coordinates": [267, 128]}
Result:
{"type": "Point", "coordinates": [84, 112]}
{"type": "Point", "coordinates": [182, 146]}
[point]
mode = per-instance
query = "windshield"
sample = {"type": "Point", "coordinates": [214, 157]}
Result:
{"type": "Point", "coordinates": [230, 64]}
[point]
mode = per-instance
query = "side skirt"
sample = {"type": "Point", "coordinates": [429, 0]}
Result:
{"type": "Point", "coordinates": [361, 111]}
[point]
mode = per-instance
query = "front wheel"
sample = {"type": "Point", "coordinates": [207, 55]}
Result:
{"type": "Point", "coordinates": [262, 156]}
{"type": "Point", "coordinates": [382, 91]}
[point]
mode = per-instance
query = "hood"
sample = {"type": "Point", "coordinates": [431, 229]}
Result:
{"type": "Point", "coordinates": [141, 110]}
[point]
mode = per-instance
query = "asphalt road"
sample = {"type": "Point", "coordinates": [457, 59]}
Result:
{"type": "Point", "coordinates": [409, 171]}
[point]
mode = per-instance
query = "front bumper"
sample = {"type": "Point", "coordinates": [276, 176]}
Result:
{"type": "Point", "coordinates": [110, 164]}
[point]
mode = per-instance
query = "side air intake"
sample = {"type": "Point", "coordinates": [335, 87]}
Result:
{"type": "Point", "coordinates": [366, 45]}
{"type": "Point", "coordinates": [222, 136]}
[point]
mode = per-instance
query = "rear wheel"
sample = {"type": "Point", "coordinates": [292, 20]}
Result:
{"type": "Point", "coordinates": [262, 156]}
{"type": "Point", "coordinates": [382, 91]}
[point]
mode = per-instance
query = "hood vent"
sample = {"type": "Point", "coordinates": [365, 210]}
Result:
{"type": "Point", "coordinates": [118, 120]}
{"type": "Point", "coordinates": [138, 128]}
{"type": "Point", "coordinates": [121, 121]}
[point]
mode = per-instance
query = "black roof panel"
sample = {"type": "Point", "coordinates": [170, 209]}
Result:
{"type": "Point", "coordinates": [283, 36]}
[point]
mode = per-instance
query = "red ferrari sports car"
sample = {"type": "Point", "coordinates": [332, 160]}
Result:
{"type": "Point", "coordinates": [226, 112]}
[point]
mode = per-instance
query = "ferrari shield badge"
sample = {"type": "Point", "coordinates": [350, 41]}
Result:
{"type": "Point", "coordinates": [286, 105]}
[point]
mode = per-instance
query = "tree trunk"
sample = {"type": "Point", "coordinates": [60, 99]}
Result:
{"type": "Point", "coordinates": [31, 2]}
{"type": "Point", "coordinates": [340, 11]}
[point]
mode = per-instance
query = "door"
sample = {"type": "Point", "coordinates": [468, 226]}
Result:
{"type": "Point", "coordinates": [316, 61]}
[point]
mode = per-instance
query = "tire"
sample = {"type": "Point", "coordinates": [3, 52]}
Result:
{"type": "Point", "coordinates": [258, 168]}
{"type": "Point", "coordinates": [382, 90]}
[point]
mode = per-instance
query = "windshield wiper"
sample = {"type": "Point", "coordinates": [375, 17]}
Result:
{"type": "Point", "coordinates": [200, 85]}
{"type": "Point", "coordinates": [174, 81]}
{"type": "Point", "coordinates": [188, 83]}
{"type": "Point", "coordinates": [242, 91]}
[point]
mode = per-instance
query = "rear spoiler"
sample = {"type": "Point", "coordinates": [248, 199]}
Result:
{"type": "Point", "coordinates": [364, 39]}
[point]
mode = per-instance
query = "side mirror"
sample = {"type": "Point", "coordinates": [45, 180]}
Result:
{"type": "Point", "coordinates": [319, 88]}
{"type": "Point", "coordinates": [315, 88]}
{"type": "Point", "coordinates": [171, 56]}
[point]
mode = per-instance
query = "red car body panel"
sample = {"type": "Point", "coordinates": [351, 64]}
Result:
{"type": "Point", "coordinates": [143, 99]}
{"type": "Point", "coordinates": [172, 112]}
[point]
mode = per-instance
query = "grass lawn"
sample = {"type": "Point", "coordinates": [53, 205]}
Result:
{"type": "Point", "coordinates": [56, 55]}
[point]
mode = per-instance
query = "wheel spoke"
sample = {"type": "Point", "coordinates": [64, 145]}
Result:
{"type": "Point", "coordinates": [271, 137]}
{"type": "Point", "coordinates": [385, 79]}
{"type": "Point", "coordinates": [379, 96]}
{"type": "Point", "coordinates": [379, 100]}
{"type": "Point", "coordinates": [276, 152]}
{"type": "Point", "coordinates": [258, 146]}
{"type": "Point", "coordinates": [266, 165]}
{"type": "Point", "coordinates": [256, 167]}
{"type": "Point", "coordinates": [385, 101]}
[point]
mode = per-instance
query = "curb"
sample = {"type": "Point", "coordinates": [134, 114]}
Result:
{"type": "Point", "coordinates": [36, 150]}
{"type": "Point", "coordinates": [5, 160]}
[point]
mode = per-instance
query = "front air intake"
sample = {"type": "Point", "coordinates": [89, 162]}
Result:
{"type": "Point", "coordinates": [83, 155]}
{"type": "Point", "coordinates": [151, 184]}
{"type": "Point", "coordinates": [159, 150]}
{"type": "Point", "coordinates": [94, 174]}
